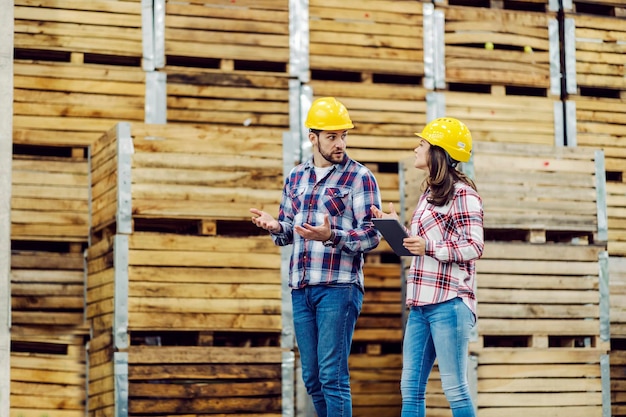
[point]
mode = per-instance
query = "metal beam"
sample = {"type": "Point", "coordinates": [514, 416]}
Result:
{"type": "Point", "coordinates": [6, 158]}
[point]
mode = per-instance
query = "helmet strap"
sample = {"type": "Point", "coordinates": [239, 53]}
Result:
{"type": "Point", "coordinates": [451, 161]}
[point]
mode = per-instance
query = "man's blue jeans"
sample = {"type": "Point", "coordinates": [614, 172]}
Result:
{"type": "Point", "coordinates": [324, 317]}
{"type": "Point", "coordinates": [438, 331]}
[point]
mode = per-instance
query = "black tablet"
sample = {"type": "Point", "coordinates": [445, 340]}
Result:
{"type": "Point", "coordinates": [394, 233]}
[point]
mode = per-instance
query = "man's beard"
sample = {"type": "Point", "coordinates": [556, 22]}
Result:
{"type": "Point", "coordinates": [329, 156]}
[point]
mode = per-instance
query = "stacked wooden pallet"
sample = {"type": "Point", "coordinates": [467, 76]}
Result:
{"type": "Point", "coordinates": [542, 282]}
{"type": "Point", "coordinates": [49, 197]}
{"type": "Point", "coordinates": [175, 261]}
{"type": "Point", "coordinates": [65, 104]}
{"type": "Point", "coordinates": [47, 375]}
{"type": "Point", "coordinates": [499, 47]}
{"type": "Point", "coordinates": [47, 290]}
{"type": "Point", "coordinates": [77, 69]}
{"type": "Point", "coordinates": [368, 39]}
{"type": "Point", "coordinates": [550, 190]}
{"type": "Point", "coordinates": [236, 35]}
{"type": "Point", "coordinates": [227, 64]}
{"type": "Point", "coordinates": [596, 7]}
{"type": "Point", "coordinates": [102, 27]}
{"type": "Point", "coordinates": [617, 285]}
{"type": "Point", "coordinates": [597, 93]}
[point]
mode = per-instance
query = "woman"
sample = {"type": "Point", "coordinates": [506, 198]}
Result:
{"type": "Point", "coordinates": [446, 239]}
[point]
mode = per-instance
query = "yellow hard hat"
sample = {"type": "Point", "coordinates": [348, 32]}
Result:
{"type": "Point", "coordinates": [450, 134]}
{"type": "Point", "coordinates": [327, 113]}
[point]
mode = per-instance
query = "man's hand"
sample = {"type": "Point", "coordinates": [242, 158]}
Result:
{"type": "Point", "coordinates": [265, 221]}
{"type": "Point", "coordinates": [321, 233]}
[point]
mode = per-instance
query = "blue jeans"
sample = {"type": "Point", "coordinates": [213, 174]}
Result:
{"type": "Point", "coordinates": [324, 317]}
{"type": "Point", "coordinates": [437, 331]}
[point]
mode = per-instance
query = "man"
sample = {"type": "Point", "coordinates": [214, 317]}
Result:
{"type": "Point", "coordinates": [325, 213]}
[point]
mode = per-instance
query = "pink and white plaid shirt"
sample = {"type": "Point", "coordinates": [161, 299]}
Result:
{"type": "Point", "coordinates": [454, 241]}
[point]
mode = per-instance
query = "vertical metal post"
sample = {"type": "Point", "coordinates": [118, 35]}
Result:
{"type": "Point", "coordinates": [569, 44]}
{"type": "Point", "coordinates": [147, 35]}
{"type": "Point", "coordinates": [6, 158]}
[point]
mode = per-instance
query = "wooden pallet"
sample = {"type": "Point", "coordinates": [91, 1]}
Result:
{"type": "Point", "coordinates": [600, 124]}
{"type": "Point", "coordinates": [47, 286]}
{"type": "Point", "coordinates": [548, 293]}
{"type": "Point", "coordinates": [188, 379]}
{"type": "Point", "coordinates": [615, 8]}
{"type": "Point", "coordinates": [375, 384]}
{"type": "Point", "coordinates": [96, 27]}
{"type": "Point", "coordinates": [523, 5]}
{"type": "Point", "coordinates": [185, 172]}
{"type": "Point", "coordinates": [380, 322]}
{"type": "Point", "coordinates": [541, 382]}
{"type": "Point", "coordinates": [618, 382]}
{"type": "Point", "coordinates": [242, 31]}
{"type": "Point", "coordinates": [231, 96]}
{"type": "Point", "coordinates": [540, 188]}
{"type": "Point", "coordinates": [617, 289]}
{"type": "Point", "coordinates": [600, 51]}
{"type": "Point", "coordinates": [69, 105]}
{"type": "Point", "coordinates": [48, 375]}
{"type": "Point", "coordinates": [498, 117]}
{"type": "Point", "coordinates": [366, 38]}
{"type": "Point", "coordinates": [616, 207]}
{"type": "Point", "coordinates": [491, 46]}
{"type": "Point", "coordinates": [50, 198]}
{"type": "Point", "coordinates": [170, 278]}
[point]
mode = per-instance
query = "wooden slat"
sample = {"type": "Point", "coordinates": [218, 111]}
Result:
{"type": "Point", "coordinates": [383, 37]}
{"type": "Point", "coordinates": [468, 61]}
{"type": "Point", "coordinates": [99, 26]}
{"type": "Point", "coordinates": [600, 51]}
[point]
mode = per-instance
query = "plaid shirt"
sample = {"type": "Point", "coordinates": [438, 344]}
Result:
{"type": "Point", "coordinates": [346, 193]}
{"type": "Point", "coordinates": [454, 241]}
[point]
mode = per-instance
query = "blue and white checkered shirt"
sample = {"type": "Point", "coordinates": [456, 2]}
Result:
{"type": "Point", "coordinates": [346, 193]}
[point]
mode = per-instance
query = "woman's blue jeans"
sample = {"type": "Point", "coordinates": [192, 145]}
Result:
{"type": "Point", "coordinates": [438, 331]}
{"type": "Point", "coordinates": [324, 317]}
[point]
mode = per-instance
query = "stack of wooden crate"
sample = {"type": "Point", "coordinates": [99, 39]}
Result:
{"type": "Point", "coordinates": [183, 291]}
{"type": "Point", "coordinates": [77, 71]}
{"type": "Point", "coordinates": [595, 59]}
{"type": "Point", "coordinates": [542, 337]}
{"type": "Point", "coordinates": [596, 81]}
{"type": "Point", "coordinates": [227, 64]}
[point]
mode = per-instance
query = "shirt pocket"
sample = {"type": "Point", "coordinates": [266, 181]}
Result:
{"type": "Point", "coordinates": [336, 200]}
{"type": "Point", "coordinates": [296, 195]}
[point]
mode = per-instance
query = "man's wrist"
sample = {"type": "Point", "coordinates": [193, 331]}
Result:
{"type": "Point", "coordinates": [331, 240]}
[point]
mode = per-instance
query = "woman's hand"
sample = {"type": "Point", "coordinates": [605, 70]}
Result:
{"type": "Point", "coordinates": [379, 214]}
{"type": "Point", "coordinates": [415, 244]}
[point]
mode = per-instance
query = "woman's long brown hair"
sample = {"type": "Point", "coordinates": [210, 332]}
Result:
{"type": "Point", "coordinates": [442, 177]}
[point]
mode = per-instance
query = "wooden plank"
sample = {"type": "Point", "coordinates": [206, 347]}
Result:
{"type": "Point", "coordinates": [599, 52]}
{"type": "Point", "coordinates": [105, 27]}
{"type": "Point", "coordinates": [64, 104]}
{"type": "Point", "coordinates": [509, 32]}
{"type": "Point", "coordinates": [204, 354]}
{"type": "Point", "coordinates": [149, 321]}
{"type": "Point", "coordinates": [377, 37]}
